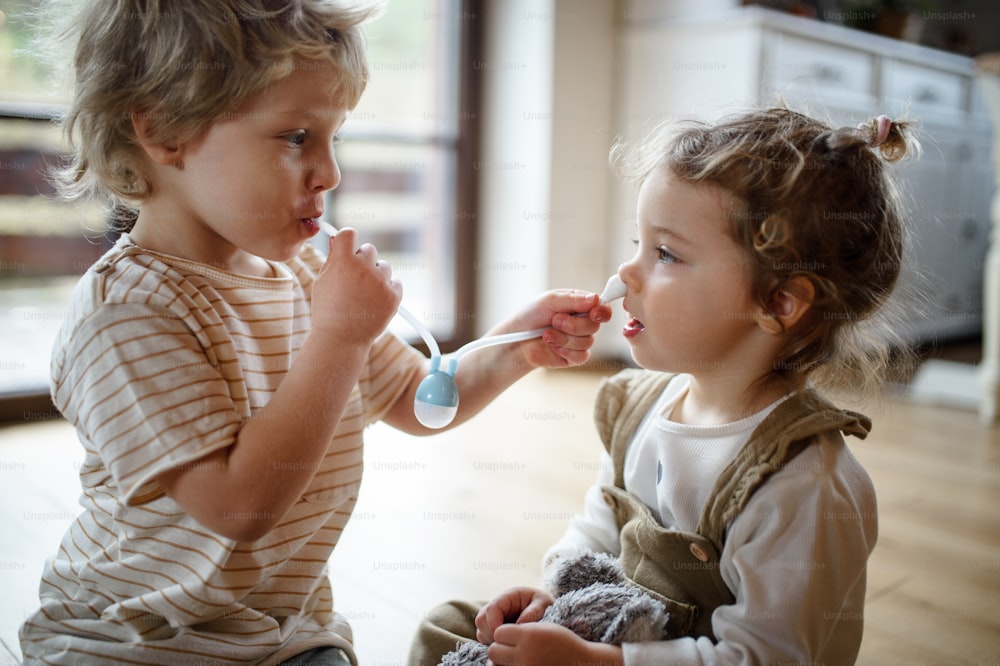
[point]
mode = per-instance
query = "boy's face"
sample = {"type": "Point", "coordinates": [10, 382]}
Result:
{"type": "Point", "coordinates": [253, 183]}
{"type": "Point", "coordinates": [689, 293]}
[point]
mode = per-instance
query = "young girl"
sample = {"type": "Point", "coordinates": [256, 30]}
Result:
{"type": "Point", "coordinates": [218, 370]}
{"type": "Point", "coordinates": [768, 245]}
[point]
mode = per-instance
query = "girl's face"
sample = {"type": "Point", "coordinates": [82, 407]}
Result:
{"type": "Point", "coordinates": [253, 184]}
{"type": "Point", "coordinates": [689, 292]}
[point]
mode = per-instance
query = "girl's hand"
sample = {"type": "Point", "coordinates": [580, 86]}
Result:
{"type": "Point", "coordinates": [354, 296]}
{"type": "Point", "coordinates": [548, 644]}
{"type": "Point", "coordinates": [574, 317]}
{"type": "Point", "coordinates": [520, 604]}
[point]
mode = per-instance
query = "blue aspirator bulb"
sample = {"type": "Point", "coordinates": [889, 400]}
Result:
{"type": "Point", "coordinates": [436, 402]}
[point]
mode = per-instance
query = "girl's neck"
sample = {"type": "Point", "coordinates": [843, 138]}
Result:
{"type": "Point", "coordinates": [717, 401]}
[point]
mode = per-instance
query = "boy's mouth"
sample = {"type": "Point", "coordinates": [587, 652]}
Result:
{"type": "Point", "coordinates": [311, 224]}
{"type": "Point", "coordinates": [633, 328]}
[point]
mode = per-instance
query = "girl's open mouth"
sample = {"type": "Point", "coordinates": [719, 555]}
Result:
{"type": "Point", "coordinates": [633, 328]}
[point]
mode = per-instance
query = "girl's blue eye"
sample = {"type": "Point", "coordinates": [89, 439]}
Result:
{"type": "Point", "coordinates": [296, 139]}
{"type": "Point", "coordinates": [664, 255]}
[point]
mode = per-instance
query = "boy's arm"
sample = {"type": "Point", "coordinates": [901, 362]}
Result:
{"type": "Point", "coordinates": [486, 373]}
{"type": "Point", "coordinates": [243, 490]}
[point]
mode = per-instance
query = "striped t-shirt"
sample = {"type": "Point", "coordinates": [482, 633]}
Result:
{"type": "Point", "coordinates": [159, 362]}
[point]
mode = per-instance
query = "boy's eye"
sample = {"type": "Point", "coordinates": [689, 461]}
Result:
{"type": "Point", "coordinates": [295, 139]}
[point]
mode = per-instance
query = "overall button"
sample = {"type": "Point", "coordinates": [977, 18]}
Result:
{"type": "Point", "coordinates": [699, 552]}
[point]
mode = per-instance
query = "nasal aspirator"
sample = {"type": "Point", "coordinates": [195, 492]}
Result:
{"type": "Point", "coordinates": [436, 401]}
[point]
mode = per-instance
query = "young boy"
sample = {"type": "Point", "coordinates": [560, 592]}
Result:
{"type": "Point", "coordinates": [218, 370]}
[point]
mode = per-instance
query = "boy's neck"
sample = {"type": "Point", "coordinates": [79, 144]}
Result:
{"type": "Point", "coordinates": [151, 234]}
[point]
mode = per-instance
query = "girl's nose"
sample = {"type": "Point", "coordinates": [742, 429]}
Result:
{"type": "Point", "coordinates": [627, 273]}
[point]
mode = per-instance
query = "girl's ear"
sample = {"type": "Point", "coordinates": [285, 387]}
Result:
{"type": "Point", "coordinates": [168, 153]}
{"type": "Point", "coordinates": [788, 304]}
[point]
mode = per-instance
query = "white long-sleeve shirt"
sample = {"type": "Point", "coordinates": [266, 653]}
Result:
{"type": "Point", "coordinates": [795, 558]}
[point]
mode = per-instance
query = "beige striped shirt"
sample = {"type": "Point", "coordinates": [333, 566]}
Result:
{"type": "Point", "coordinates": [159, 362]}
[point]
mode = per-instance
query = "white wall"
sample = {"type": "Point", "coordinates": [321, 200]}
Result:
{"type": "Point", "coordinates": [547, 114]}
{"type": "Point", "coordinates": [516, 156]}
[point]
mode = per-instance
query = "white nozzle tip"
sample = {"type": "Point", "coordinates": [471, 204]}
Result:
{"type": "Point", "coordinates": [613, 290]}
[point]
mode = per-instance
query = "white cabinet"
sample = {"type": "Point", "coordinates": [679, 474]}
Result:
{"type": "Point", "coordinates": [747, 56]}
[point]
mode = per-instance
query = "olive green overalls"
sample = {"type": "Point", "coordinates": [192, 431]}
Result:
{"type": "Point", "coordinates": [681, 569]}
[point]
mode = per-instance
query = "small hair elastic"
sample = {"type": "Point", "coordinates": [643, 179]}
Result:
{"type": "Point", "coordinates": [883, 125]}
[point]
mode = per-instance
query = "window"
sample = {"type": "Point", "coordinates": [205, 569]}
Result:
{"type": "Point", "coordinates": [43, 244]}
{"type": "Point", "coordinates": [408, 185]}
{"type": "Point", "coordinates": [406, 160]}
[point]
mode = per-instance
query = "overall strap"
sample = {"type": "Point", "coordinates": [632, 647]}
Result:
{"type": "Point", "coordinates": [781, 436]}
{"type": "Point", "coordinates": [622, 402]}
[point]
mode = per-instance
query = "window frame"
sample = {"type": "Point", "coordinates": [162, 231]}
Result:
{"type": "Point", "coordinates": [467, 156]}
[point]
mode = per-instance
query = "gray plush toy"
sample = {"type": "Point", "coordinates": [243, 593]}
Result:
{"type": "Point", "coordinates": [593, 599]}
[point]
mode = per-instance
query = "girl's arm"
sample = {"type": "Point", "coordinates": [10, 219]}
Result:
{"type": "Point", "coordinates": [548, 644]}
{"type": "Point", "coordinates": [243, 490]}
{"type": "Point", "coordinates": [486, 373]}
{"type": "Point", "coordinates": [594, 529]}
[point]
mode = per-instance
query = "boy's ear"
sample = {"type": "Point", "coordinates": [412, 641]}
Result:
{"type": "Point", "coordinates": [788, 304]}
{"type": "Point", "coordinates": [168, 153]}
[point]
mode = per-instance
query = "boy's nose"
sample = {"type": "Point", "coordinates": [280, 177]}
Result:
{"type": "Point", "coordinates": [325, 174]}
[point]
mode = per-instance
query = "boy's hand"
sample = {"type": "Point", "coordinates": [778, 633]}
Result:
{"type": "Point", "coordinates": [355, 295]}
{"type": "Point", "coordinates": [520, 604]}
{"type": "Point", "coordinates": [574, 317]}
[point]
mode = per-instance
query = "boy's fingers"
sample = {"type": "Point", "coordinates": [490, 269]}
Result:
{"type": "Point", "coordinates": [571, 300]}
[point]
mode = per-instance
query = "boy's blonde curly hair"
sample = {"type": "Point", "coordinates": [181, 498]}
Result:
{"type": "Point", "coordinates": [185, 64]}
{"type": "Point", "coordinates": [817, 202]}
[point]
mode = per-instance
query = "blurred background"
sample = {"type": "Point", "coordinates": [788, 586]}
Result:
{"type": "Point", "coordinates": [477, 158]}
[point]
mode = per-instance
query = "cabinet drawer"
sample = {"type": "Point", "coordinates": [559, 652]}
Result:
{"type": "Point", "coordinates": [818, 67]}
{"type": "Point", "coordinates": [923, 86]}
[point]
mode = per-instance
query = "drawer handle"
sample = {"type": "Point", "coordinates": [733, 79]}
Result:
{"type": "Point", "coordinates": [828, 73]}
{"type": "Point", "coordinates": [928, 96]}
{"type": "Point", "coordinates": [970, 230]}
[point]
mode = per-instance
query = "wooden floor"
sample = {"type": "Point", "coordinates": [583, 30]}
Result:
{"type": "Point", "coordinates": [469, 512]}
